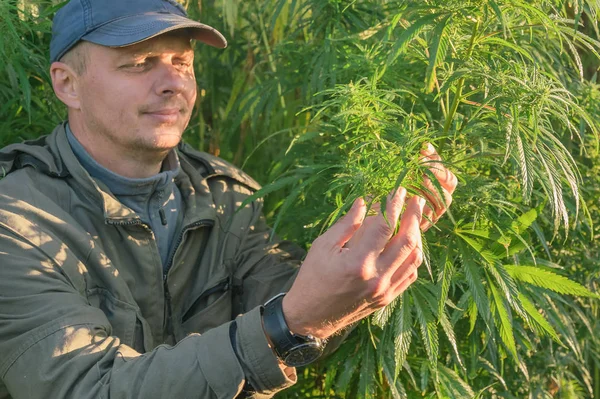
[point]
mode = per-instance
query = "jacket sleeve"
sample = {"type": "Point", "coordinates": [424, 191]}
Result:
{"type": "Point", "coordinates": [268, 266]}
{"type": "Point", "coordinates": [54, 344]}
{"type": "Point", "coordinates": [265, 264]}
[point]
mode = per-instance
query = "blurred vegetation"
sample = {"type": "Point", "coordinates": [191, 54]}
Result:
{"type": "Point", "coordinates": [28, 107]}
{"type": "Point", "coordinates": [326, 100]}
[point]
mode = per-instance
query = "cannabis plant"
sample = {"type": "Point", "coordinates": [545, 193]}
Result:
{"type": "Point", "coordinates": [499, 88]}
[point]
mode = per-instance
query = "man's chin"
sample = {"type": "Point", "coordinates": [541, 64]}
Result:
{"type": "Point", "coordinates": [154, 148]}
{"type": "Point", "coordinates": [166, 138]}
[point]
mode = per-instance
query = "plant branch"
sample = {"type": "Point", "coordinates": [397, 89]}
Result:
{"type": "Point", "coordinates": [459, 88]}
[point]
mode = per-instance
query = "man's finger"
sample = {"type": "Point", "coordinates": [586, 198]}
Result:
{"type": "Point", "coordinates": [374, 211]}
{"type": "Point", "coordinates": [446, 178]}
{"type": "Point", "coordinates": [428, 218]}
{"type": "Point", "coordinates": [407, 240]}
{"type": "Point", "coordinates": [434, 163]}
{"type": "Point", "coordinates": [343, 230]}
{"type": "Point", "coordinates": [439, 199]}
{"type": "Point", "coordinates": [380, 229]}
{"type": "Point", "coordinates": [408, 267]}
{"type": "Point", "coordinates": [404, 284]}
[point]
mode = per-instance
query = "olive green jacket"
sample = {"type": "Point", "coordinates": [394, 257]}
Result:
{"type": "Point", "coordinates": [85, 310]}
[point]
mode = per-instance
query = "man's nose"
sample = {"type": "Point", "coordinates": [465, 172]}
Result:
{"type": "Point", "coordinates": [171, 79]}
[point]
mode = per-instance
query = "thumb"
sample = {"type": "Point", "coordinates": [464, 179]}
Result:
{"type": "Point", "coordinates": [343, 230]}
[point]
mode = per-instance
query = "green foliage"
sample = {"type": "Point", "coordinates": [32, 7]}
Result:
{"type": "Point", "coordinates": [28, 107]}
{"type": "Point", "coordinates": [329, 100]}
{"type": "Point", "coordinates": [498, 87]}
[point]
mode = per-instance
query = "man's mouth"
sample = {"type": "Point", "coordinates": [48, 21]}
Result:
{"type": "Point", "coordinates": [164, 115]}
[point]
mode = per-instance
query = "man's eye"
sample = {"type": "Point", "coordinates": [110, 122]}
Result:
{"type": "Point", "coordinates": [138, 65]}
{"type": "Point", "coordinates": [183, 63]}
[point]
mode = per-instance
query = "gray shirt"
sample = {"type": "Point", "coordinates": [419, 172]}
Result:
{"type": "Point", "coordinates": [155, 199]}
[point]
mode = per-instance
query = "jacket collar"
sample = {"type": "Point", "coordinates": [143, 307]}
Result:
{"type": "Point", "coordinates": [52, 155]}
{"type": "Point", "coordinates": [95, 190]}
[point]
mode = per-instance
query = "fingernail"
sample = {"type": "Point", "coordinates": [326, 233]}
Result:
{"type": "Point", "coordinates": [427, 149]}
{"type": "Point", "coordinates": [398, 192]}
{"type": "Point", "coordinates": [400, 195]}
{"type": "Point", "coordinates": [358, 202]}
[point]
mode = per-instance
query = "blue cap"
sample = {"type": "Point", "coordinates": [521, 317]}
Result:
{"type": "Point", "coordinates": [119, 23]}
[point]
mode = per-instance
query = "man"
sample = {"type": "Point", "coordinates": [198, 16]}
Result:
{"type": "Point", "coordinates": [126, 269]}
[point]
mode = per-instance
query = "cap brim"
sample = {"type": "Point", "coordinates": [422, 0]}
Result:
{"type": "Point", "coordinates": [135, 29]}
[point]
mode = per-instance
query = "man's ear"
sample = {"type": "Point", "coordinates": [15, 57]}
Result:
{"type": "Point", "coordinates": [66, 84]}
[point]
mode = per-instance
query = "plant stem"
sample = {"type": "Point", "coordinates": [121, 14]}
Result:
{"type": "Point", "coordinates": [458, 95]}
{"type": "Point", "coordinates": [270, 56]}
{"type": "Point", "coordinates": [596, 380]}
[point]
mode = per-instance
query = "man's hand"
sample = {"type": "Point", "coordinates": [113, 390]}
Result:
{"type": "Point", "coordinates": [447, 182]}
{"type": "Point", "coordinates": [359, 265]}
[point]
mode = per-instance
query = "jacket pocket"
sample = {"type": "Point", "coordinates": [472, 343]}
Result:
{"type": "Point", "coordinates": [211, 309]}
{"type": "Point", "coordinates": [121, 315]}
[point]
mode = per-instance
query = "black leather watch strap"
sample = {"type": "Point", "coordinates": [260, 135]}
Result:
{"type": "Point", "coordinates": [276, 327]}
{"type": "Point", "coordinates": [293, 349]}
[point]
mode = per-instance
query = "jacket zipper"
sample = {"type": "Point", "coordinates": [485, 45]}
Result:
{"type": "Point", "coordinates": [161, 209]}
{"type": "Point", "coordinates": [127, 223]}
{"type": "Point", "coordinates": [167, 293]}
{"type": "Point", "coordinates": [199, 223]}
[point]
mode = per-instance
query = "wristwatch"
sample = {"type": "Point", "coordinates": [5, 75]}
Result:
{"type": "Point", "coordinates": [293, 350]}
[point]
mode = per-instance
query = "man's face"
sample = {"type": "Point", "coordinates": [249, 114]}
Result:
{"type": "Point", "coordinates": [139, 98]}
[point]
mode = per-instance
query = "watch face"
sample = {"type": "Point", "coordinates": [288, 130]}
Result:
{"type": "Point", "coordinates": [303, 354]}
